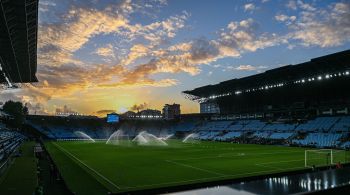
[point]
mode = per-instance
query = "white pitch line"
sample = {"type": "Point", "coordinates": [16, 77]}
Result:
{"type": "Point", "coordinates": [103, 177]}
{"type": "Point", "coordinates": [200, 169]}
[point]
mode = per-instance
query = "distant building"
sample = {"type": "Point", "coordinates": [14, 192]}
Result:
{"type": "Point", "coordinates": [68, 114]}
{"type": "Point", "coordinates": [66, 111]}
{"type": "Point", "coordinates": [171, 111]}
{"type": "Point", "coordinates": [129, 114]}
{"type": "Point", "coordinates": [149, 114]}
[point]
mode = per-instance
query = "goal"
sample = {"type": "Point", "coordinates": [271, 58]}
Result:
{"type": "Point", "coordinates": [324, 157]}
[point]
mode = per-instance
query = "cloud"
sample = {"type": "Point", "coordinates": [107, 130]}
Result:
{"type": "Point", "coordinates": [136, 51]}
{"type": "Point", "coordinates": [44, 6]}
{"type": "Point", "coordinates": [156, 32]}
{"type": "Point", "coordinates": [305, 6]}
{"type": "Point", "coordinates": [249, 67]}
{"type": "Point", "coordinates": [242, 37]}
{"type": "Point", "coordinates": [139, 107]}
{"type": "Point", "coordinates": [285, 18]}
{"type": "Point", "coordinates": [27, 94]}
{"type": "Point", "coordinates": [249, 7]}
{"type": "Point", "coordinates": [60, 41]}
{"type": "Point", "coordinates": [51, 55]}
{"type": "Point", "coordinates": [65, 109]}
{"type": "Point", "coordinates": [149, 49]}
{"type": "Point", "coordinates": [299, 4]}
{"type": "Point", "coordinates": [104, 112]}
{"type": "Point", "coordinates": [324, 27]}
{"type": "Point", "coordinates": [292, 5]}
{"type": "Point", "coordinates": [37, 108]}
{"type": "Point", "coordinates": [239, 37]}
{"type": "Point", "coordinates": [106, 51]}
{"type": "Point", "coordinates": [85, 24]}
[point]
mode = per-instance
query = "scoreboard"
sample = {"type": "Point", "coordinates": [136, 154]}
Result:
{"type": "Point", "coordinates": [112, 118]}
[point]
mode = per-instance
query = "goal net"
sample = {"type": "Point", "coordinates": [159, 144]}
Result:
{"type": "Point", "coordinates": [324, 157]}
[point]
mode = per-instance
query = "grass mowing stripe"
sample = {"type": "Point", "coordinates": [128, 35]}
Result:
{"type": "Point", "coordinates": [93, 170]}
{"type": "Point", "coordinates": [226, 155]}
{"type": "Point", "coordinates": [145, 167]}
{"type": "Point", "coordinates": [265, 166]}
{"type": "Point", "coordinates": [216, 177]}
{"type": "Point", "coordinates": [79, 179]}
{"type": "Point", "coordinates": [283, 161]}
{"type": "Point", "coordinates": [185, 165]}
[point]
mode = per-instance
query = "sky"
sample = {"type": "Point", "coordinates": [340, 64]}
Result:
{"type": "Point", "coordinates": [100, 56]}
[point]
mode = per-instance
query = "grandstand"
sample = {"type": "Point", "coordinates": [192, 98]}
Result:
{"type": "Point", "coordinates": [320, 132]}
{"type": "Point", "coordinates": [9, 141]}
{"type": "Point", "coordinates": [307, 89]}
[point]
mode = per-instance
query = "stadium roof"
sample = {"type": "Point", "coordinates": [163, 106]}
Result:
{"type": "Point", "coordinates": [333, 63]}
{"type": "Point", "coordinates": [18, 40]}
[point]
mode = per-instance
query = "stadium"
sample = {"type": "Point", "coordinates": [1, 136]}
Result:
{"type": "Point", "coordinates": [285, 130]}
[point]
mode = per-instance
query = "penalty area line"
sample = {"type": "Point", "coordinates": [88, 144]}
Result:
{"type": "Point", "coordinates": [93, 170]}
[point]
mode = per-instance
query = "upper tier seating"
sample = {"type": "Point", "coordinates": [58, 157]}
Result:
{"type": "Point", "coordinates": [318, 124]}
{"type": "Point", "coordinates": [238, 125]}
{"type": "Point", "coordinates": [254, 125]}
{"type": "Point", "coordinates": [343, 124]}
{"type": "Point", "coordinates": [320, 139]}
{"type": "Point", "coordinates": [279, 127]}
{"type": "Point", "coordinates": [214, 126]}
{"type": "Point", "coordinates": [183, 126]}
{"type": "Point", "coordinates": [280, 135]}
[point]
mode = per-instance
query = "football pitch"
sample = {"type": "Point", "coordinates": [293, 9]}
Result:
{"type": "Point", "coordinates": [98, 168]}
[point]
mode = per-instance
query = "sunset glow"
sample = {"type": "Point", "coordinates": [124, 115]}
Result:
{"type": "Point", "coordinates": [103, 55]}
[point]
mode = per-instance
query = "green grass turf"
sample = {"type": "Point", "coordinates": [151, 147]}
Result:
{"type": "Point", "coordinates": [21, 177]}
{"type": "Point", "coordinates": [97, 167]}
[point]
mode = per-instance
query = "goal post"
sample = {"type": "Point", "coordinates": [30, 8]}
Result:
{"type": "Point", "coordinates": [324, 157]}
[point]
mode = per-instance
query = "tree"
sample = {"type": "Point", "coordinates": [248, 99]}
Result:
{"type": "Point", "coordinates": [17, 111]}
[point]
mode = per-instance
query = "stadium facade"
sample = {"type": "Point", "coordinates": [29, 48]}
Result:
{"type": "Point", "coordinates": [320, 86]}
